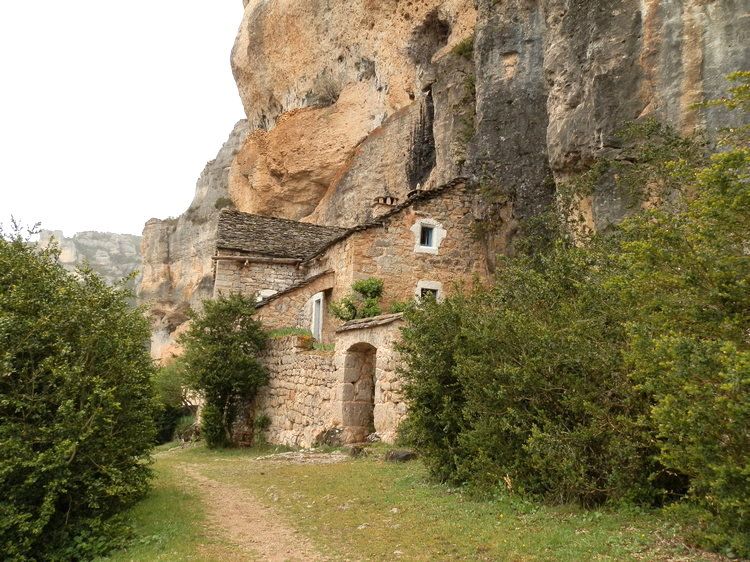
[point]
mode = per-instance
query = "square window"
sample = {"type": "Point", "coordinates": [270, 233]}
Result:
{"type": "Point", "coordinates": [429, 293]}
{"type": "Point", "coordinates": [426, 236]}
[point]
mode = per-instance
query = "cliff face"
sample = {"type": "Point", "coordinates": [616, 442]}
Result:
{"type": "Point", "coordinates": [334, 92]}
{"type": "Point", "coordinates": [177, 266]}
{"type": "Point", "coordinates": [350, 100]}
{"type": "Point", "coordinates": [556, 80]}
{"type": "Point", "coordinates": [343, 96]}
{"type": "Point", "coordinates": [113, 256]}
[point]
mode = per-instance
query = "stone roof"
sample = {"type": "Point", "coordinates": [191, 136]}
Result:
{"type": "Point", "coordinates": [271, 236]}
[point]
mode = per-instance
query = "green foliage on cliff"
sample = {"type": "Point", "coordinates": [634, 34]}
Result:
{"type": "Point", "coordinates": [221, 357]}
{"type": "Point", "coordinates": [614, 368]}
{"type": "Point", "coordinates": [76, 407]}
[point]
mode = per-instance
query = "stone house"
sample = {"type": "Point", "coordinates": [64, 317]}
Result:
{"type": "Point", "coordinates": [424, 245]}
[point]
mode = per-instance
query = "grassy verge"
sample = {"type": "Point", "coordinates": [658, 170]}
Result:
{"type": "Point", "coordinates": [170, 524]}
{"type": "Point", "coordinates": [367, 509]}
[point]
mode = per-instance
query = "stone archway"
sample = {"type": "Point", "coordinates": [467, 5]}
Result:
{"type": "Point", "coordinates": [358, 393]}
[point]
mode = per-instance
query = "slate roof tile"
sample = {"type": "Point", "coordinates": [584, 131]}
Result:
{"type": "Point", "coordinates": [271, 236]}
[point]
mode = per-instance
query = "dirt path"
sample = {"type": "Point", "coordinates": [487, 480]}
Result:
{"type": "Point", "coordinates": [252, 526]}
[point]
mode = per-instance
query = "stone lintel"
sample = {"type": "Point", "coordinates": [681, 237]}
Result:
{"type": "Point", "coordinates": [258, 259]}
{"type": "Point", "coordinates": [364, 323]}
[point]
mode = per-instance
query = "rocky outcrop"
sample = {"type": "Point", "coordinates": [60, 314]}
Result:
{"type": "Point", "coordinates": [113, 256]}
{"type": "Point", "coordinates": [177, 265]}
{"type": "Point", "coordinates": [349, 80]}
{"type": "Point", "coordinates": [363, 98]}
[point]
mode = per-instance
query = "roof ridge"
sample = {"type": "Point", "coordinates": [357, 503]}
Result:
{"type": "Point", "coordinates": [380, 221]}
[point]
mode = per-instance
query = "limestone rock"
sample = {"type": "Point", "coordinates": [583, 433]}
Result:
{"type": "Point", "coordinates": [290, 55]}
{"type": "Point", "coordinates": [113, 256]}
{"type": "Point", "coordinates": [177, 266]}
{"type": "Point", "coordinates": [318, 78]}
{"type": "Point", "coordinates": [349, 101]}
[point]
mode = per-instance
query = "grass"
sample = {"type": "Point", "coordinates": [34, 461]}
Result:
{"type": "Point", "coordinates": [169, 524]}
{"type": "Point", "coordinates": [367, 509]}
{"type": "Point", "coordinates": [284, 332]}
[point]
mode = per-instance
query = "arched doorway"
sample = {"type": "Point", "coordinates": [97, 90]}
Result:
{"type": "Point", "coordinates": [359, 392]}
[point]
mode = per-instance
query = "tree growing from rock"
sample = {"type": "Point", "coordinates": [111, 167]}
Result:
{"type": "Point", "coordinates": [221, 357]}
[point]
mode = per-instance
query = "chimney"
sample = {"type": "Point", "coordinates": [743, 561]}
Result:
{"type": "Point", "coordinates": [383, 204]}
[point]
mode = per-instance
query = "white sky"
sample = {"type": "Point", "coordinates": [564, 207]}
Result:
{"type": "Point", "coordinates": [109, 110]}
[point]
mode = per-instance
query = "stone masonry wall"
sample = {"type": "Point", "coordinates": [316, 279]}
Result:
{"type": "Point", "coordinates": [289, 310]}
{"type": "Point", "coordinates": [388, 251]}
{"type": "Point", "coordinates": [310, 392]}
{"type": "Point", "coordinates": [253, 276]}
{"type": "Point", "coordinates": [389, 407]}
{"type": "Point", "coordinates": [300, 392]}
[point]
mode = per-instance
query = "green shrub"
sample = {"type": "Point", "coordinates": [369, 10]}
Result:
{"type": "Point", "coordinates": [616, 368]}
{"type": "Point", "coordinates": [166, 419]}
{"type": "Point", "coordinates": [223, 203]}
{"type": "Point", "coordinates": [213, 429]}
{"type": "Point", "coordinates": [291, 331]}
{"type": "Point", "coordinates": [262, 422]}
{"type": "Point", "coordinates": [185, 428]}
{"type": "Point", "coordinates": [535, 367]}
{"type": "Point", "coordinates": [431, 343]}
{"type": "Point", "coordinates": [221, 355]}
{"type": "Point", "coordinates": [171, 391]}
{"type": "Point", "coordinates": [465, 48]}
{"type": "Point", "coordinates": [401, 306]}
{"type": "Point", "coordinates": [76, 406]}
{"type": "Point", "coordinates": [370, 288]}
{"type": "Point", "coordinates": [363, 302]}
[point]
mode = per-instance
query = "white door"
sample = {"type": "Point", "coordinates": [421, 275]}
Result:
{"type": "Point", "coordinates": [317, 320]}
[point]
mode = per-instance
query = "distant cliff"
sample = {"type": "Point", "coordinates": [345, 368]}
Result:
{"type": "Point", "coordinates": [113, 256]}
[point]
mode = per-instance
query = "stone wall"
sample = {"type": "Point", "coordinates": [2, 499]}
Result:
{"type": "Point", "coordinates": [381, 334]}
{"type": "Point", "coordinates": [254, 275]}
{"type": "Point", "coordinates": [299, 395]}
{"type": "Point", "coordinates": [311, 392]}
{"type": "Point", "coordinates": [290, 309]}
{"type": "Point", "coordinates": [388, 252]}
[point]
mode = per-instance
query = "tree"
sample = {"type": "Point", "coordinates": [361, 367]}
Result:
{"type": "Point", "coordinates": [221, 356]}
{"type": "Point", "coordinates": [75, 404]}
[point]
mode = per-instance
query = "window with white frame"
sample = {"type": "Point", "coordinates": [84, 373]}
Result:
{"type": "Point", "coordinates": [429, 289]}
{"type": "Point", "coordinates": [428, 234]}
